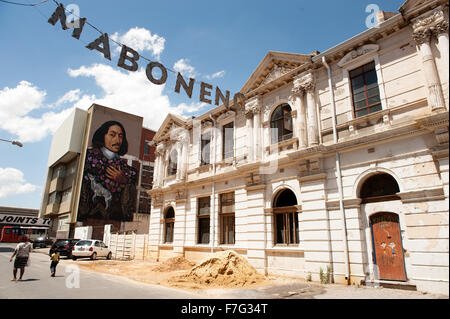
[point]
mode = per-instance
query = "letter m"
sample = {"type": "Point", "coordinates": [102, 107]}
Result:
{"type": "Point", "coordinates": [60, 14]}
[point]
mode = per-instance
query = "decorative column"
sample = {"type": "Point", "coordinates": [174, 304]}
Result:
{"type": "Point", "coordinates": [423, 28]}
{"type": "Point", "coordinates": [298, 94]}
{"type": "Point", "coordinates": [254, 106]}
{"type": "Point", "coordinates": [160, 150]}
{"type": "Point", "coordinates": [249, 139]}
{"type": "Point", "coordinates": [313, 130]}
{"type": "Point", "coordinates": [309, 131]}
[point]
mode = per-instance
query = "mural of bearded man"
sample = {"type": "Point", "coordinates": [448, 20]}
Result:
{"type": "Point", "coordinates": [108, 190]}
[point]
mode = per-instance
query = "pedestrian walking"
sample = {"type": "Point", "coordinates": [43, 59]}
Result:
{"type": "Point", "coordinates": [54, 262]}
{"type": "Point", "coordinates": [22, 254]}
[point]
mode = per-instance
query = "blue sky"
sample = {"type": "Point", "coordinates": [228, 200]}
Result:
{"type": "Point", "coordinates": [45, 72]}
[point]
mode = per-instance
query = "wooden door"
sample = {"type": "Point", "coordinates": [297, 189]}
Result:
{"type": "Point", "coordinates": [387, 245]}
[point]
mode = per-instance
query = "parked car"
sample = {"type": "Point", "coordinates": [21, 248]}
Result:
{"type": "Point", "coordinates": [63, 247]}
{"type": "Point", "coordinates": [91, 248]}
{"type": "Point", "coordinates": [42, 242]}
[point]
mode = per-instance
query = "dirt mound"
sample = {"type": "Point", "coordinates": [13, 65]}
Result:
{"type": "Point", "coordinates": [223, 269]}
{"type": "Point", "coordinates": [173, 264]}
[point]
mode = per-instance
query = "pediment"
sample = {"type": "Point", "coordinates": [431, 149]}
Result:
{"type": "Point", "coordinates": [274, 66]}
{"type": "Point", "coordinates": [171, 123]}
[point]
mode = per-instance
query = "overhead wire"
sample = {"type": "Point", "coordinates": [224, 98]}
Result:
{"type": "Point", "coordinates": [24, 4]}
{"type": "Point", "coordinates": [101, 32]}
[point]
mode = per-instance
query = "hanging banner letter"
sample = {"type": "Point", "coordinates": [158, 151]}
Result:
{"type": "Point", "coordinates": [60, 14]}
{"type": "Point", "coordinates": [124, 56]}
{"type": "Point", "coordinates": [103, 39]}
{"type": "Point", "coordinates": [149, 72]}
{"type": "Point", "coordinates": [187, 89]}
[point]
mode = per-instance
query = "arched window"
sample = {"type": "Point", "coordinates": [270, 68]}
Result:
{"type": "Point", "coordinates": [169, 222]}
{"type": "Point", "coordinates": [286, 218]}
{"type": "Point", "coordinates": [281, 124]}
{"type": "Point", "coordinates": [379, 187]}
{"type": "Point", "coordinates": [173, 160]}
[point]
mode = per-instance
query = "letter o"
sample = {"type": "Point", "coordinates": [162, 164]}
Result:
{"type": "Point", "coordinates": [149, 70]}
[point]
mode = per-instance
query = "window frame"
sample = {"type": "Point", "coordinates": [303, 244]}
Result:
{"type": "Point", "coordinates": [367, 106]}
{"type": "Point", "coordinates": [169, 224]}
{"type": "Point", "coordinates": [224, 221]}
{"type": "Point", "coordinates": [224, 140]}
{"type": "Point", "coordinates": [354, 64]}
{"type": "Point", "coordinates": [205, 162]}
{"type": "Point", "coordinates": [172, 166]}
{"type": "Point", "coordinates": [283, 137]}
{"type": "Point", "coordinates": [202, 217]}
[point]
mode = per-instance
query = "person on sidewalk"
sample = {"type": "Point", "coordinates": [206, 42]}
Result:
{"type": "Point", "coordinates": [55, 260]}
{"type": "Point", "coordinates": [22, 254]}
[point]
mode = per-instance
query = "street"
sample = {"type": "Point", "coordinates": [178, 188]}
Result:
{"type": "Point", "coordinates": [73, 283]}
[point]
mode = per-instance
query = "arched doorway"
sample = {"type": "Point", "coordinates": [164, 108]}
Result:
{"type": "Point", "coordinates": [387, 247]}
{"type": "Point", "coordinates": [286, 218]}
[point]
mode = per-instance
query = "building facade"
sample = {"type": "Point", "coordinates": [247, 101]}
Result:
{"type": "Point", "coordinates": [65, 175]}
{"type": "Point", "coordinates": [333, 162]}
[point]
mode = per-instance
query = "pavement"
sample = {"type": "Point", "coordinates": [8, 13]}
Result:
{"type": "Point", "coordinates": [289, 288]}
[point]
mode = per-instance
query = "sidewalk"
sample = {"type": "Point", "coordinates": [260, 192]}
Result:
{"type": "Point", "coordinates": [279, 288]}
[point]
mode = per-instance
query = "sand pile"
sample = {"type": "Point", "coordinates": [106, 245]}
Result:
{"type": "Point", "coordinates": [223, 269]}
{"type": "Point", "coordinates": [173, 264]}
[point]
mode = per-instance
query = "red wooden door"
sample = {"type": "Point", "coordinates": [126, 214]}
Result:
{"type": "Point", "coordinates": [388, 247]}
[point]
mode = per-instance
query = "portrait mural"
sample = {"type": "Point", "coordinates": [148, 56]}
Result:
{"type": "Point", "coordinates": [108, 190]}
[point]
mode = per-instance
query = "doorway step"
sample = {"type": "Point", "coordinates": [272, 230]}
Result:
{"type": "Point", "coordinates": [390, 284]}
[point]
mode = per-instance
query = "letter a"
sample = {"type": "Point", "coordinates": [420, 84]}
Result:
{"type": "Point", "coordinates": [103, 39]}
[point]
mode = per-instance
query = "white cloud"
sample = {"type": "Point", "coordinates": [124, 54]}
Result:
{"type": "Point", "coordinates": [17, 103]}
{"type": "Point", "coordinates": [141, 39]}
{"type": "Point", "coordinates": [69, 97]}
{"type": "Point", "coordinates": [216, 75]}
{"type": "Point", "coordinates": [183, 66]}
{"type": "Point", "coordinates": [13, 183]}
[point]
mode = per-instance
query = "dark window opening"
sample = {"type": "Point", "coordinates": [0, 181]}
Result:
{"type": "Point", "coordinates": [203, 220]}
{"type": "Point", "coordinates": [379, 187]}
{"type": "Point", "coordinates": [227, 219]}
{"type": "Point", "coordinates": [169, 222]}
{"type": "Point", "coordinates": [286, 218]}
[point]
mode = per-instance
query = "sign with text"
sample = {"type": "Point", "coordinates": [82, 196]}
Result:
{"type": "Point", "coordinates": [24, 220]}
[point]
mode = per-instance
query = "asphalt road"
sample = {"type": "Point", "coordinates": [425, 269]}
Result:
{"type": "Point", "coordinates": [73, 283]}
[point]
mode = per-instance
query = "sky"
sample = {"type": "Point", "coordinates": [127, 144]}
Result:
{"type": "Point", "coordinates": [45, 73]}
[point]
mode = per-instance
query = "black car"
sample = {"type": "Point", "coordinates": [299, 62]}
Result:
{"type": "Point", "coordinates": [63, 247]}
{"type": "Point", "coordinates": [42, 242]}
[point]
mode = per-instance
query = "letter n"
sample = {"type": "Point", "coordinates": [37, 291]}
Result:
{"type": "Point", "coordinates": [187, 89]}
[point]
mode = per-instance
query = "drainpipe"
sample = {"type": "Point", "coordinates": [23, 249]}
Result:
{"type": "Point", "coordinates": [213, 197]}
{"type": "Point", "coordinates": [338, 174]}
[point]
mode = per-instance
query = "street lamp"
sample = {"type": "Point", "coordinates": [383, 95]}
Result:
{"type": "Point", "coordinates": [13, 142]}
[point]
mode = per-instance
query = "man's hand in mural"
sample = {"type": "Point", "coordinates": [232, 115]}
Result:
{"type": "Point", "coordinates": [116, 174]}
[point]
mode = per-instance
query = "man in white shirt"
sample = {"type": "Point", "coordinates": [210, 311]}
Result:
{"type": "Point", "coordinates": [22, 253]}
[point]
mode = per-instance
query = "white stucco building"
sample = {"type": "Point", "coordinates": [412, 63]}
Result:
{"type": "Point", "coordinates": [336, 159]}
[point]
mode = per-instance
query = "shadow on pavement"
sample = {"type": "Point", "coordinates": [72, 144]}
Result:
{"type": "Point", "coordinates": [6, 250]}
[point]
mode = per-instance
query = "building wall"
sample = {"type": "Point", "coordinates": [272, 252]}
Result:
{"type": "Point", "coordinates": [407, 139]}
